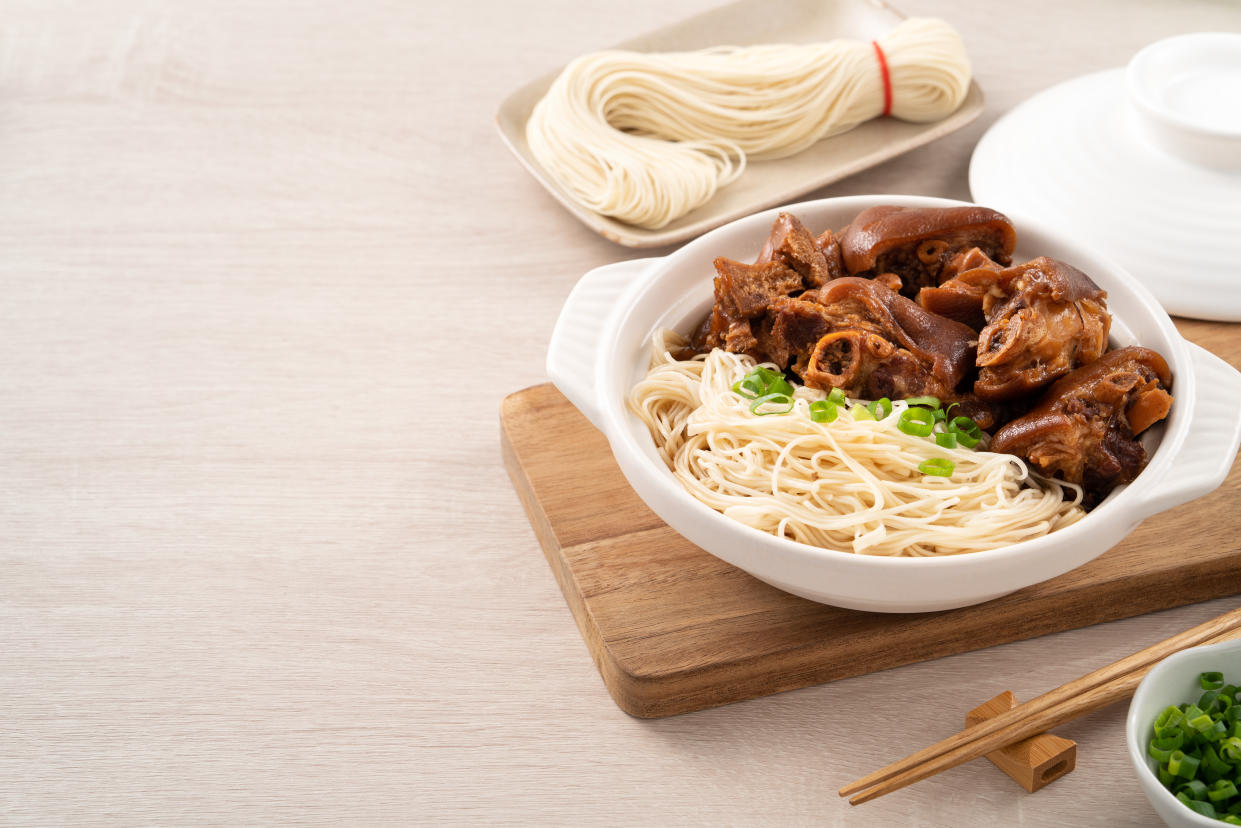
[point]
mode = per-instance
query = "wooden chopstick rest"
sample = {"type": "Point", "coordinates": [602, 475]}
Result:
{"type": "Point", "coordinates": [1034, 762]}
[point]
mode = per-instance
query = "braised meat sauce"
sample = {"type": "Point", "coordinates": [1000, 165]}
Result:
{"type": "Point", "coordinates": [1023, 348]}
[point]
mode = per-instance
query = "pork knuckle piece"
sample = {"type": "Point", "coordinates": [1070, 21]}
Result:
{"type": "Point", "coordinates": [879, 344]}
{"type": "Point", "coordinates": [969, 278]}
{"type": "Point", "coordinates": [1084, 429]}
{"type": "Point", "coordinates": [817, 260]}
{"type": "Point", "coordinates": [1044, 319]}
{"type": "Point", "coordinates": [790, 261]}
{"type": "Point", "coordinates": [917, 243]}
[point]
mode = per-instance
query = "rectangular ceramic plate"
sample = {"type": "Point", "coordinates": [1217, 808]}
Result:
{"type": "Point", "coordinates": [767, 183]}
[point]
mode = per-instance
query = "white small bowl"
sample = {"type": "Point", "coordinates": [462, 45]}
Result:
{"type": "Point", "coordinates": [1185, 91]}
{"type": "Point", "coordinates": [600, 348]}
{"type": "Point", "coordinates": [1173, 681]}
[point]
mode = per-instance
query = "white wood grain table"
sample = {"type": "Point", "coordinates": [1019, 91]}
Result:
{"type": "Point", "coordinates": [267, 273]}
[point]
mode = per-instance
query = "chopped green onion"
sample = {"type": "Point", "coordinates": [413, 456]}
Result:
{"type": "Point", "coordinates": [749, 387]}
{"type": "Point", "coordinates": [1204, 808]}
{"type": "Point", "coordinates": [928, 401]}
{"type": "Point", "coordinates": [1197, 748]}
{"type": "Point", "coordinates": [1213, 763]}
{"type": "Point", "coordinates": [1194, 789]}
{"type": "Point", "coordinates": [880, 408]}
{"type": "Point", "coordinates": [1182, 764]}
{"type": "Point", "coordinates": [1170, 717]}
{"type": "Point", "coordinates": [966, 430]}
{"type": "Point", "coordinates": [822, 411]}
{"type": "Point", "coordinates": [1167, 744]}
{"type": "Point", "coordinates": [783, 404]}
{"type": "Point", "coordinates": [861, 412]}
{"type": "Point", "coordinates": [1223, 789]}
{"type": "Point", "coordinates": [939, 467]}
{"type": "Point", "coordinates": [837, 397]}
{"type": "Point", "coordinates": [780, 385]}
{"type": "Point", "coordinates": [946, 440]}
{"type": "Point", "coordinates": [917, 421]}
{"type": "Point", "coordinates": [1159, 754]}
{"type": "Point", "coordinates": [762, 381]}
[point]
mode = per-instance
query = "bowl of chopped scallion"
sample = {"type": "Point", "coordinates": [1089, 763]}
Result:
{"type": "Point", "coordinates": [1184, 736]}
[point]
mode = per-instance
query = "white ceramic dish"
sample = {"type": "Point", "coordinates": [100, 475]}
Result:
{"type": "Point", "coordinates": [1173, 681]}
{"type": "Point", "coordinates": [1131, 160]}
{"type": "Point", "coordinates": [599, 349]}
{"type": "Point", "coordinates": [764, 183]}
{"type": "Point", "coordinates": [1185, 92]}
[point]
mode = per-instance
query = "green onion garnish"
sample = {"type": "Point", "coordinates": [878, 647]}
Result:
{"type": "Point", "coordinates": [1204, 808]}
{"type": "Point", "coordinates": [762, 381]}
{"type": "Point", "coordinates": [928, 401]}
{"type": "Point", "coordinates": [1183, 764]}
{"type": "Point", "coordinates": [1198, 750]}
{"type": "Point", "coordinates": [1202, 723]}
{"type": "Point", "coordinates": [880, 408]}
{"type": "Point", "coordinates": [1222, 789]}
{"type": "Point", "coordinates": [773, 403]}
{"type": "Point", "coordinates": [938, 467]}
{"type": "Point", "coordinates": [1194, 789]}
{"type": "Point", "coordinates": [919, 422]}
{"type": "Point", "coordinates": [780, 386]}
{"type": "Point", "coordinates": [749, 387]}
{"type": "Point", "coordinates": [945, 439]}
{"type": "Point", "coordinates": [861, 412]}
{"type": "Point", "coordinates": [822, 411]}
{"type": "Point", "coordinates": [837, 397]}
{"type": "Point", "coordinates": [966, 430]}
{"type": "Point", "coordinates": [1161, 753]}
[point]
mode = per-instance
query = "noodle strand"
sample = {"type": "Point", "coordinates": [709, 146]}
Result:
{"type": "Point", "coordinates": [645, 138]}
{"type": "Point", "coordinates": [849, 485]}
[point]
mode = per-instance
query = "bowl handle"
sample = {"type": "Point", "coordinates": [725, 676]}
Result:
{"type": "Point", "coordinates": [572, 350]}
{"type": "Point", "coordinates": [1214, 435]}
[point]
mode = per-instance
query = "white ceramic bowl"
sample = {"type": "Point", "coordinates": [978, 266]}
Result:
{"type": "Point", "coordinates": [600, 346]}
{"type": "Point", "coordinates": [1185, 91]}
{"type": "Point", "coordinates": [1173, 681]}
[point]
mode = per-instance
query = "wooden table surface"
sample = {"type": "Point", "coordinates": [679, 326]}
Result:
{"type": "Point", "coordinates": [267, 273]}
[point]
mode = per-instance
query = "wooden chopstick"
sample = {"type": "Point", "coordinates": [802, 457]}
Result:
{"type": "Point", "coordinates": [1108, 684]}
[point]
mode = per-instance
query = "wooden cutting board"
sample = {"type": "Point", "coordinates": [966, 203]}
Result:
{"type": "Point", "coordinates": [673, 629]}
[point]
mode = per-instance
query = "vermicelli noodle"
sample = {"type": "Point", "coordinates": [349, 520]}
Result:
{"type": "Point", "coordinates": [646, 138]}
{"type": "Point", "coordinates": [848, 485]}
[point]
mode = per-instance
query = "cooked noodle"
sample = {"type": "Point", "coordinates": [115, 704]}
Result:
{"type": "Point", "coordinates": [646, 138]}
{"type": "Point", "coordinates": [847, 485]}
